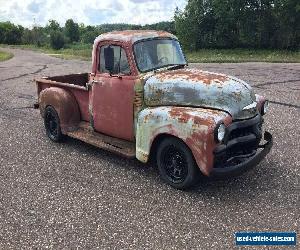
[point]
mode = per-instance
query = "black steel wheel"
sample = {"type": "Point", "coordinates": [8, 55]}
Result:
{"type": "Point", "coordinates": [176, 163]}
{"type": "Point", "coordinates": [52, 124]}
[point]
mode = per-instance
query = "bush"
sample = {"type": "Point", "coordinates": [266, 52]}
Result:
{"type": "Point", "coordinates": [57, 40]}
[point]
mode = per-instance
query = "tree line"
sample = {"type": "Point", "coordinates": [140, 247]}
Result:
{"type": "Point", "coordinates": [202, 24]}
{"type": "Point", "coordinates": [57, 37]}
{"type": "Point", "coordinates": [239, 23]}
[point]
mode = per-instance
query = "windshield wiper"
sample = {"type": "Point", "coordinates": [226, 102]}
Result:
{"type": "Point", "coordinates": [168, 67]}
{"type": "Point", "coordinates": [176, 66]}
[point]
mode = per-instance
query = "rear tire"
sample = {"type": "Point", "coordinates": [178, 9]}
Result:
{"type": "Point", "coordinates": [176, 164]}
{"type": "Point", "coordinates": [52, 124]}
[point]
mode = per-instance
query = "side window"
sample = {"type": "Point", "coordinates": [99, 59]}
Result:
{"type": "Point", "coordinates": [121, 64]}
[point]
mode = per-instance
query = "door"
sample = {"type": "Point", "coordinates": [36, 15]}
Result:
{"type": "Point", "coordinates": [113, 95]}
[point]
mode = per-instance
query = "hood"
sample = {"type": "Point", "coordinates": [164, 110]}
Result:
{"type": "Point", "coordinates": [197, 88]}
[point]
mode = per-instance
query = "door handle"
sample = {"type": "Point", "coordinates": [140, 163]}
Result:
{"type": "Point", "coordinates": [97, 82]}
{"type": "Point", "coordinates": [90, 84]}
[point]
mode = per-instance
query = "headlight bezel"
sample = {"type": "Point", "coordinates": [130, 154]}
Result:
{"type": "Point", "coordinates": [220, 132]}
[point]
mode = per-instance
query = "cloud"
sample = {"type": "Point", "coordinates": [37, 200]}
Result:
{"type": "Point", "coordinates": [89, 12]}
{"type": "Point", "coordinates": [99, 15]}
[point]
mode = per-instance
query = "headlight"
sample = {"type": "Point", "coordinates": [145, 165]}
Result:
{"type": "Point", "coordinates": [264, 107]}
{"type": "Point", "coordinates": [220, 132]}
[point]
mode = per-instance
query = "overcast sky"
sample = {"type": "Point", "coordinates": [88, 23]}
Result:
{"type": "Point", "coordinates": [93, 12]}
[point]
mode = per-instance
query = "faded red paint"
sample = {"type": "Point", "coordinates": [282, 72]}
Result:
{"type": "Point", "coordinates": [110, 104]}
{"type": "Point", "coordinates": [202, 146]}
{"type": "Point", "coordinates": [76, 87]}
{"type": "Point", "coordinates": [82, 98]}
{"type": "Point", "coordinates": [113, 99]}
{"type": "Point", "coordinates": [201, 142]}
{"type": "Point", "coordinates": [65, 105]}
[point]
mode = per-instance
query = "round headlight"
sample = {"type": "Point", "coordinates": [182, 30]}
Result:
{"type": "Point", "coordinates": [220, 132]}
{"type": "Point", "coordinates": [265, 108]}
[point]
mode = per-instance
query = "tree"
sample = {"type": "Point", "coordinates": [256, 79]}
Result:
{"type": "Point", "coordinates": [239, 23]}
{"type": "Point", "coordinates": [89, 37]}
{"type": "Point", "coordinates": [10, 33]}
{"type": "Point", "coordinates": [52, 26]}
{"type": "Point", "coordinates": [57, 40]}
{"type": "Point", "coordinates": [72, 30]}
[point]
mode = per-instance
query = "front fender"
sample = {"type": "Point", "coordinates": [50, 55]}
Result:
{"type": "Point", "coordinates": [195, 126]}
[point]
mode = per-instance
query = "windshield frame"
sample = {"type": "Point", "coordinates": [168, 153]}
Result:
{"type": "Point", "coordinates": [160, 67]}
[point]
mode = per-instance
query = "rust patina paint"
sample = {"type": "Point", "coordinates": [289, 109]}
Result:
{"type": "Point", "coordinates": [197, 88]}
{"type": "Point", "coordinates": [140, 107]}
{"type": "Point", "coordinates": [112, 102]}
{"type": "Point", "coordinates": [201, 142]}
{"type": "Point", "coordinates": [112, 99]}
{"type": "Point", "coordinates": [80, 93]}
{"type": "Point", "coordinates": [194, 76]}
{"type": "Point", "coordinates": [82, 98]}
{"type": "Point", "coordinates": [65, 105]}
{"type": "Point", "coordinates": [195, 126]}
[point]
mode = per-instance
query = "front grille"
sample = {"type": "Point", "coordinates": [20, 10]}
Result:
{"type": "Point", "coordinates": [241, 140]}
{"type": "Point", "coordinates": [255, 129]}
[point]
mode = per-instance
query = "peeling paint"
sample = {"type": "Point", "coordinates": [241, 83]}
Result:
{"type": "Point", "coordinates": [194, 126]}
{"type": "Point", "coordinates": [185, 103]}
{"type": "Point", "coordinates": [191, 87]}
{"type": "Point", "coordinates": [132, 35]}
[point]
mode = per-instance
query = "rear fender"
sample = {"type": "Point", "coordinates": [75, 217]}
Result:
{"type": "Point", "coordinates": [194, 126]}
{"type": "Point", "coordinates": [65, 105]}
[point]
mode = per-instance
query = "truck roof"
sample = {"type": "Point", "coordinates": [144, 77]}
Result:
{"type": "Point", "coordinates": [133, 35]}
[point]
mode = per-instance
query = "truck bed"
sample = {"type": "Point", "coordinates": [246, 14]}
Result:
{"type": "Point", "coordinates": [75, 83]}
{"type": "Point", "coordinates": [76, 79]}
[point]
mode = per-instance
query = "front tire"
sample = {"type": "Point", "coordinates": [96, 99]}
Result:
{"type": "Point", "coordinates": [176, 164]}
{"type": "Point", "coordinates": [52, 124]}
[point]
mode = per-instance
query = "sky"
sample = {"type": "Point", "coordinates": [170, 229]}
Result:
{"type": "Point", "coordinates": [90, 12]}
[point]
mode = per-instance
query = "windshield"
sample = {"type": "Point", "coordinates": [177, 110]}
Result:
{"type": "Point", "coordinates": [158, 53]}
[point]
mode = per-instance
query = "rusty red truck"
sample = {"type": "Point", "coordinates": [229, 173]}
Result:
{"type": "Point", "coordinates": [142, 100]}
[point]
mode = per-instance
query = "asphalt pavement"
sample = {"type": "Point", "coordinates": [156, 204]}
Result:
{"type": "Point", "coordinates": [73, 195]}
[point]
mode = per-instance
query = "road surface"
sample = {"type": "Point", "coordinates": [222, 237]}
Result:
{"type": "Point", "coordinates": [75, 195]}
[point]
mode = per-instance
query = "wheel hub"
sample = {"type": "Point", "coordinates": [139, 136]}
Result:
{"type": "Point", "coordinates": [175, 165]}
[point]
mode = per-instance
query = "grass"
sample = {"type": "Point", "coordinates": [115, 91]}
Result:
{"type": "Point", "coordinates": [5, 55]}
{"type": "Point", "coordinates": [74, 51]}
{"type": "Point", "coordinates": [84, 52]}
{"type": "Point", "coordinates": [243, 55]}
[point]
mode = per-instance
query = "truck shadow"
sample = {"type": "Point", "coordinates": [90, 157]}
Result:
{"type": "Point", "coordinates": [247, 186]}
{"type": "Point", "coordinates": [261, 179]}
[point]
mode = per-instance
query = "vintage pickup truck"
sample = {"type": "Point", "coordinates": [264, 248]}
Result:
{"type": "Point", "coordinates": [142, 100]}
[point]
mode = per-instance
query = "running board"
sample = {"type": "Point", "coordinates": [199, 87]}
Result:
{"type": "Point", "coordinates": [119, 146]}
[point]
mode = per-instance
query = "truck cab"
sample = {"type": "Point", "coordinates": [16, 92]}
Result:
{"type": "Point", "coordinates": [141, 100]}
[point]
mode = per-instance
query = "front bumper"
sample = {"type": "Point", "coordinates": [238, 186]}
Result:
{"type": "Point", "coordinates": [248, 162]}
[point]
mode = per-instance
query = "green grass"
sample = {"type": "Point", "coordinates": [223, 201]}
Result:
{"type": "Point", "coordinates": [74, 51]}
{"type": "Point", "coordinates": [243, 55]}
{"type": "Point", "coordinates": [84, 52]}
{"type": "Point", "coordinates": [5, 55]}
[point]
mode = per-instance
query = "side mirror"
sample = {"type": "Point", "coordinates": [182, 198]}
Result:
{"type": "Point", "coordinates": [109, 58]}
